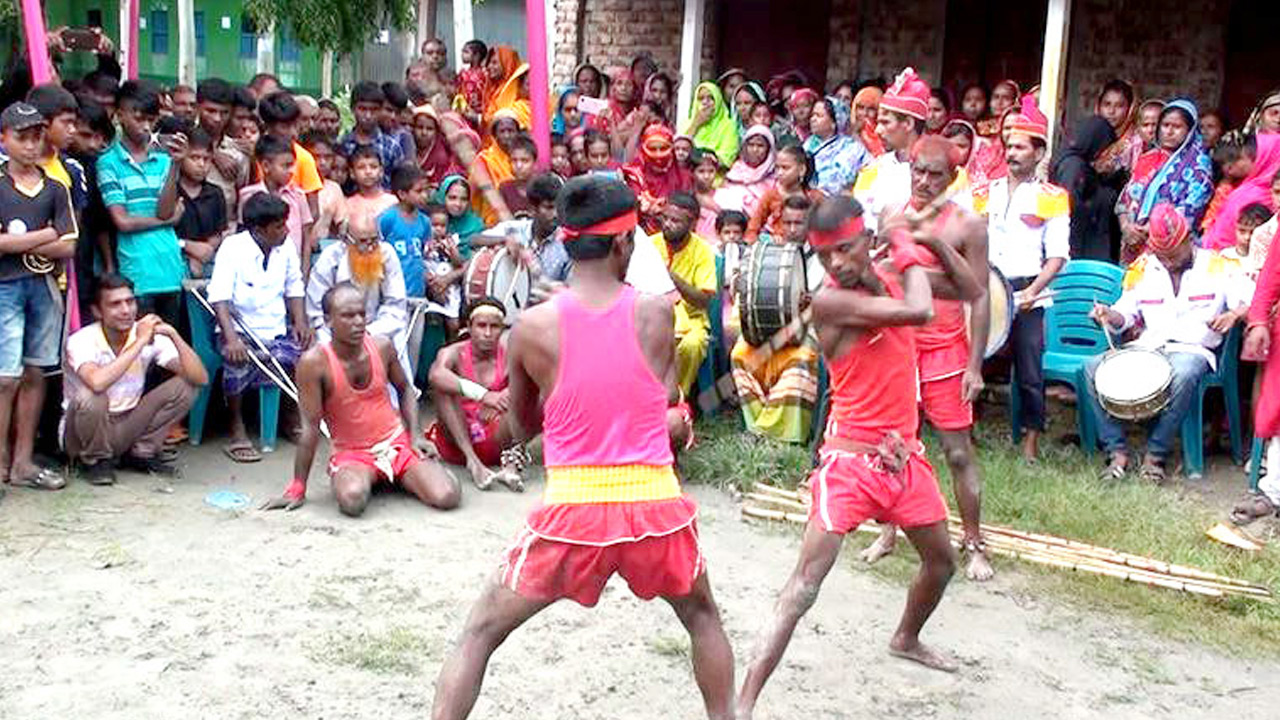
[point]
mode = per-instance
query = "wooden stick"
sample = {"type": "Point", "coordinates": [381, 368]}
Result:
{"type": "Point", "coordinates": [774, 490]}
{"type": "Point", "coordinates": [764, 514]}
{"type": "Point", "coordinates": [784, 503]}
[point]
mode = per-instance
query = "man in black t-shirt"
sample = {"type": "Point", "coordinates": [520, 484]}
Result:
{"type": "Point", "coordinates": [37, 228]}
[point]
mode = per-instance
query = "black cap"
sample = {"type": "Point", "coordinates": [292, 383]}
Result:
{"type": "Point", "coordinates": [20, 116]}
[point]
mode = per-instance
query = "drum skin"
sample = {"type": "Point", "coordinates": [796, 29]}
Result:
{"type": "Point", "coordinates": [1133, 383]}
{"type": "Point", "coordinates": [769, 290]}
{"type": "Point", "coordinates": [493, 273]}
{"type": "Point", "coordinates": [1000, 297]}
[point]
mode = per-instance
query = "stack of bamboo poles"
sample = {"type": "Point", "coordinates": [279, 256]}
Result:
{"type": "Point", "coordinates": [769, 502]}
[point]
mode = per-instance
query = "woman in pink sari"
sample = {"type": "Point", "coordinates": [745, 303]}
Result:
{"type": "Point", "coordinates": [1255, 189]}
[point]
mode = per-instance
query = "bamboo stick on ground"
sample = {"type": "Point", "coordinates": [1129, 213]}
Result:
{"type": "Point", "coordinates": [784, 503]}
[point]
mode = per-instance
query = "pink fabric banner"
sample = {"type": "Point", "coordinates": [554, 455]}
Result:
{"type": "Point", "coordinates": [131, 72]}
{"type": "Point", "coordinates": [539, 87]}
{"type": "Point", "coordinates": [37, 46]}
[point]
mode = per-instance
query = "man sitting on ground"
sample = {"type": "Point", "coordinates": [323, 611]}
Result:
{"type": "Point", "coordinates": [470, 381]}
{"type": "Point", "coordinates": [373, 267]}
{"type": "Point", "coordinates": [691, 262]}
{"type": "Point", "coordinates": [109, 420]}
{"type": "Point", "coordinates": [256, 278]}
{"type": "Point", "coordinates": [344, 383]}
{"type": "Point", "coordinates": [1182, 299]}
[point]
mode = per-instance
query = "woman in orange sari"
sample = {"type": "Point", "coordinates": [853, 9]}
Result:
{"type": "Point", "coordinates": [504, 86]}
{"type": "Point", "coordinates": [492, 167]}
{"type": "Point", "coordinates": [866, 106]}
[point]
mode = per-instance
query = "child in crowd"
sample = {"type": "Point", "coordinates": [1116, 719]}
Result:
{"type": "Point", "coordinates": [577, 142]}
{"type": "Point", "coordinates": [444, 266]}
{"type": "Point", "coordinates": [280, 117]}
{"type": "Point", "coordinates": [682, 146]}
{"type": "Point", "coordinates": [561, 164]}
{"type": "Point", "coordinates": [395, 103]}
{"type": "Point", "coordinates": [333, 204]}
{"type": "Point", "coordinates": [369, 200]}
{"type": "Point", "coordinates": [274, 156]}
{"type": "Point", "coordinates": [705, 169]}
{"type": "Point", "coordinates": [793, 175]}
{"type": "Point", "coordinates": [340, 173]}
{"type": "Point", "coordinates": [328, 118]}
{"type": "Point", "coordinates": [244, 119]}
{"type": "Point", "coordinates": [1252, 217]}
{"type": "Point", "coordinates": [599, 156]}
{"type": "Point", "coordinates": [731, 227]}
{"type": "Point", "coordinates": [406, 228]}
{"type": "Point", "coordinates": [1260, 243]}
{"type": "Point", "coordinates": [203, 222]}
{"type": "Point", "coordinates": [1235, 159]}
{"type": "Point", "coordinates": [524, 158]}
{"type": "Point", "coordinates": [473, 80]}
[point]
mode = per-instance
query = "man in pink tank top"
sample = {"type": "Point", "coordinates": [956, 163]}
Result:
{"type": "Point", "coordinates": [593, 370]}
{"type": "Point", "coordinates": [950, 360]}
{"type": "Point", "coordinates": [872, 465]}
{"type": "Point", "coordinates": [472, 400]}
{"type": "Point", "coordinates": [344, 383]}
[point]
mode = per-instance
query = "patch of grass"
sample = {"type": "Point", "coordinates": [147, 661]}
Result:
{"type": "Point", "coordinates": [396, 651]}
{"type": "Point", "coordinates": [670, 646]}
{"type": "Point", "coordinates": [1060, 496]}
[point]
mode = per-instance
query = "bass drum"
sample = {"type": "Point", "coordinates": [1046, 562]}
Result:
{"type": "Point", "coordinates": [1000, 297]}
{"type": "Point", "coordinates": [769, 290]}
{"type": "Point", "coordinates": [494, 273]}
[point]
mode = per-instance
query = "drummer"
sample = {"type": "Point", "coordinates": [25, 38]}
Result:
{"type": "Point", "coordinates": [469, 378]}
{"type": "Point", "coordinates": [691, 264]}
{"type": "Point", "coordinates": [1185, 303]}
{"type": "Point", "coordinates": [373, 266]}
{"type": "Point", "coordinates": [534, 239]}
{"type": "Point", "coordinates": [778, 391]}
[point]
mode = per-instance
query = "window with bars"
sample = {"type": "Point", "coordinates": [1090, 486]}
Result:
{"type": "Point", "coordinates": [159, 27]}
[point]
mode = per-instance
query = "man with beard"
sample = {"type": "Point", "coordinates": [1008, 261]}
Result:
{"type": "Point", "coordinates": [372, 267]}
{"type": "Point", "coordinates": [344, 383]}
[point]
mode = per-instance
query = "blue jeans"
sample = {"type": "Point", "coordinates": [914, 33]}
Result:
{"type": "Point", "coordinates": [30, 325]}
{"type": "Point", "coordinates": [1188, 368]}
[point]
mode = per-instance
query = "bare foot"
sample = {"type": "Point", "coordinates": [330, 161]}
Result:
{"type": "Point", "coordinates": [480, 475]}
{"type": "Point", "coordinates": [511, 479]}
{"type": "Point", "coordinates": [1031, 447]}
{"type": "Point", "coordinates": [925, 655]}
{"type": "Point", "coordinates": [882, 546]}
{"type": "Point", "coordinates": [979, 568]}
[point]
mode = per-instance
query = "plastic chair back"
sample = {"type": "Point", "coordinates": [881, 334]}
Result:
{"type": "Point", "coordinates": [1068, 328]}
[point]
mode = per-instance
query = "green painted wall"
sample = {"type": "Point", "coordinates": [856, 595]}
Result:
{"type": "Point", "coordinates": [297, 67]}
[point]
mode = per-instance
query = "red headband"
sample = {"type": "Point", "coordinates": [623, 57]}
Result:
{"type": "Point", "coordinates": [846, 231]}
{"type": "Point", "coordinates": [613, 226]}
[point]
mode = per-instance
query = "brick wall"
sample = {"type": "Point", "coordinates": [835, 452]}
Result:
{"type": "Point", "coordinates": [894, 34]}
{"type": "Point", "coordinates": [613, 32]}
{"type": "Point", "coordinates": [1164, 47]}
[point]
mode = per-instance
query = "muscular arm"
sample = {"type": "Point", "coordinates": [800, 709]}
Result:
{"type": "Point", "coordinates": [311, 369]}
{"type": "Point", "coordinates": [655, 325]}
{"type": "Point", "coordinates": [1047, 273]}
{"type": "Point", "coordinates": [691, 294]}
{"type": "Point", "coordinates": [851, 308]}
{"type": "Point", "coordinates": [100, 377]}
{"type": "Point", "coordinates": [189, 367]}
{"type": "Point", "coordinates": [443, 378]}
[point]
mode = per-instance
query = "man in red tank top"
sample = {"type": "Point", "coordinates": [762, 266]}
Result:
{"type": "Point", "coordinates": [472, 400]}
{"type": "Point", "coordinates": [950, 360]}
{"type": "Point", "coordinates": [593, 369]}
{"type": "Point", "coordinates": [344, 383]}
{"type": "Point", "coordinates": [872, 463]}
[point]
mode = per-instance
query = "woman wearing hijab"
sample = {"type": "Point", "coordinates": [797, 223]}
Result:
{"type": "Point", "coordinates": [434, 156]}
{"type": "Point", "coordinates": [1177, 171]}
{"type": "Point", "coordinates": [1004, 97]}
{"type": "Point", "coordinates": [660, 91]}
{"type": "Point", "coordinates": [493, 166]}
{"type": "Point", "coordinates": [743, 100]}
{"type": "Point", "coordinates": [1265, 118]}
{"type": "Point", "coordinates": [866, 108]}
{"type": "Point", "coordinates": [988, 159]}
{"type": "Point", "coordinates": [567, 117]}
{"type": "Point", "coordinates": [512, 95]}
{"type": "Point", "coordinates": [463, 220]}
{"type": "Point", "coordinates": [622, 100]}
{"type": "Point", "coordinates": [751, 175]}
{"type": "Point", "coordinates": [837, 158]}
{"type": "Point", "coordinates": [800, 105]}
{"type": "Point", "coordinates": [710, 124]}
{"type": "Point", "coordinates": [655, 175]}
{"type": "Point", "coordinates": [1094, 234]}
{"type": "Point", "coordinates": [589, 80]}
{"type": "Point", "coordinates": [1256, 188]}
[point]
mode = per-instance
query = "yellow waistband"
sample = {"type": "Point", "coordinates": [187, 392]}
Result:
{"type": "Point", "coordinates": [573, 485]}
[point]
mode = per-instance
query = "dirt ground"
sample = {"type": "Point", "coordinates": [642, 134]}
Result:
{"type": "Point", "coordinates": [141, 601]}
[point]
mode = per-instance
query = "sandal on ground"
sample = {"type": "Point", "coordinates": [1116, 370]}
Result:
{"type": "Point", "coordinates": [1153, 473]}
{"type": "Point", "coordinates": [177, 435]}
{"type": "Point", "coordinates": [1114, 471]}
{"type": "Point", "coordinates": [43, 479]}
{"type": "Point", "coordinates": [242, 451]}
{"type": "Point", "coordinates": [150, 465]}
{"type": "Point", "coordinates": [1254, 506]}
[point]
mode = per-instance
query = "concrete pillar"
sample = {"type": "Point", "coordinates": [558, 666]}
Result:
{"type": "Point", "coordinates": [186, 43]}
{"type": "Point", "coordinates": [1053, 68]}
{"type": "Point", "coordinates": [690, 56]}
{"type": "Point", "coordinates": [463, 29]}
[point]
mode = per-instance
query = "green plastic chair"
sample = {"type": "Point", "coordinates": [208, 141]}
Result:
{"type": "Point", "coordinates": [202, 342]}
{"type": "Point", "coordinates": [1071, 337]}
{"type": "Point", "coordinates": [1226, 377]}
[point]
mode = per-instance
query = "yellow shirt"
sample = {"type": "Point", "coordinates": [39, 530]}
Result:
{"type": "Point", "coordinates": [695, 263]}
{"type": "Point", "coordinates": [55, 170]}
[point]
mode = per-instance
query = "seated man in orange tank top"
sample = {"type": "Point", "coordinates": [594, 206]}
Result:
{"type": "Point", "coordinates": [872, 464]}
{"type": "Point", "coordinates": [593, 370]}
{"type": "Point", "coordinates": [469, 378]}
{"type": "Point", "coordinates": [344, 383]}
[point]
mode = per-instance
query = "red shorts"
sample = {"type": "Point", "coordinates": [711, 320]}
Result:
{"type": "Point", "coordinates": [851, 488]}
{"type": "Point", "coordinates": [404, 458]}
{"type": "Point", "coordinates": [487, 447]}
{"type": "Point", "coordinates": [549, 570]}
{"type": "Point", "coordinates": [944, 405]}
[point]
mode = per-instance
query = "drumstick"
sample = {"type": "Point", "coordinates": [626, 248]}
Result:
{"type": "Point", "coordinates": [1106, 330]}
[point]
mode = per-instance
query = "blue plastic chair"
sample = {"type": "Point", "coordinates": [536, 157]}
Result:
{"type": "Point", "coordinates": [202, 342]}
{"type": "Point", "coordinates": [1071, 337]}
{"type": "Point", "coordinates": [1227, 377]}
{"type": "Point", "coordinates": [716, 363]}
{"type": "Point", "coordinates": [1255, 463]}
